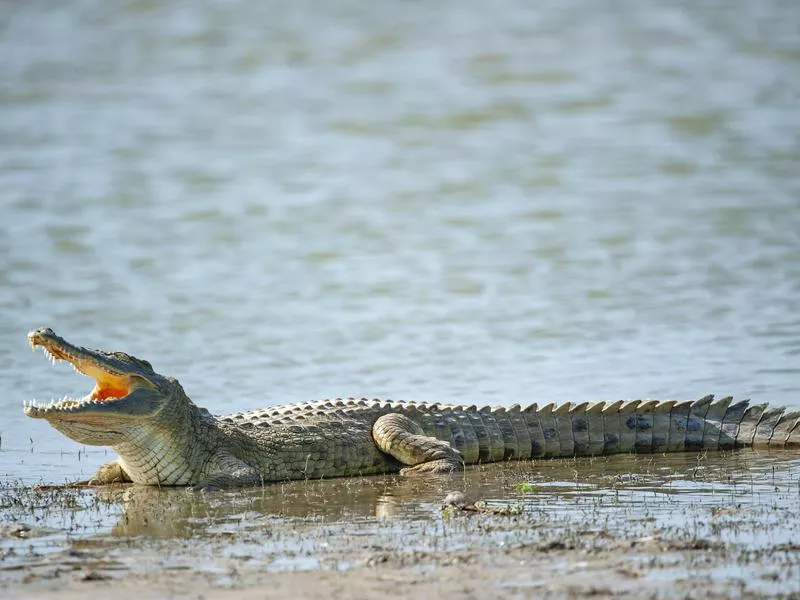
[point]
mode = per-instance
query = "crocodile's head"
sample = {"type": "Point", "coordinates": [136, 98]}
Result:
{"type": "Point", "coordinates": [127, 392]}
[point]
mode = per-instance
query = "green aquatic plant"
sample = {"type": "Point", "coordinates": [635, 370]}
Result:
{"type": "Point", "coordinates": [525, 487]}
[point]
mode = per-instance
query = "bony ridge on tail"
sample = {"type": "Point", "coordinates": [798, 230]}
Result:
{"type": "Point", "coordinates": [163, 438]}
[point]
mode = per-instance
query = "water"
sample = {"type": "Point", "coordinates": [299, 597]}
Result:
{"type": "Point", "coordinates": [444, 201]}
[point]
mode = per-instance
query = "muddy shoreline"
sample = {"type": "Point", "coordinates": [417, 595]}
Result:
{"type": "Point", "coordinates": [718, 525]}
{"type": "Point", "coordinates": [658, 568]}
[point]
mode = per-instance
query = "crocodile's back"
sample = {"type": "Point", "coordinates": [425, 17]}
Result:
{"type": "Point", "coordinates": [490, 434]}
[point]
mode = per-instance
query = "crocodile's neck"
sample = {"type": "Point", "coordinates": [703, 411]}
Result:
{"type": "Point", "coordinates": [172, 448]}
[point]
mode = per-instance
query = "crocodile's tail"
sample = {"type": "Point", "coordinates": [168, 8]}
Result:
{"type": "Point", "coordinates": [491, 434]}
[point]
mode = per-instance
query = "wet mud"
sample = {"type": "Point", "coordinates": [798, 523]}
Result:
{"type": "Point", "coordinates": [716, 524]}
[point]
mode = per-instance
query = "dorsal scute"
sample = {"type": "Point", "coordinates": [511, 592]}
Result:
{"type": "Point", "coordinates": [629, 406]}
{"type": "Point", "coordinates": [595, 408]}
{"type": "Point", "coordinates": [563, 409]}
{"type": "Point", "coordinates": [613, 407]}
{"type": "Point", "coordinates": [704, 401]}
{"type": "Point", "coordinates": [647, 406]}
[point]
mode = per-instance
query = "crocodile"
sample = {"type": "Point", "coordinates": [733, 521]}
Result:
{"type": "Point", "coordinates": [163, 438]}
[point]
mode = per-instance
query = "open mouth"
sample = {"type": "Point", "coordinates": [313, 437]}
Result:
{"type": "Point", "coordinates": [110, 385]}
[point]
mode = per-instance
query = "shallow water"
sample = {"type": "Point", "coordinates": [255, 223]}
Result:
{"type": "Point", "coordinates": [663, 489]}
{"type": "Point", "coordinates": [441, 201]}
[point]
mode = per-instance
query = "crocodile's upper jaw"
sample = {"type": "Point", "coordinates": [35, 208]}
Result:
{"type": "Point", "coordinates": [116, 377]}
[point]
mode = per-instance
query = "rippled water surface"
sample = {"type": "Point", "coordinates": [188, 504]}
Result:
{"type": "Point", "coordinates": [475, 202]}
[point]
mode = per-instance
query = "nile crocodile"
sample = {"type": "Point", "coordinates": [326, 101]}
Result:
{"type": "Point", "coordinates": [163, 438]}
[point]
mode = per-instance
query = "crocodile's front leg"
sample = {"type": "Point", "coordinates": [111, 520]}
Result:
{"type": "Point", "coordinates": [111, 472]}
{"type": "Point", "coordinates": [405, 440]}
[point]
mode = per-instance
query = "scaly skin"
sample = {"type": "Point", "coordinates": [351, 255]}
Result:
{"type": "Point", "coordinates": [163, 438]}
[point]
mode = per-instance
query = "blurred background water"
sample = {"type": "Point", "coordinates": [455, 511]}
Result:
{"type": "Point", "coordinates": [452, 201]}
